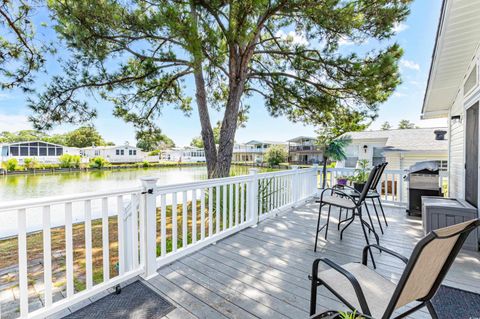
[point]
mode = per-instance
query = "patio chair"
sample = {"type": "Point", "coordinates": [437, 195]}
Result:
{"type": "Point", "coordinates": [362, 289]}
{"type": "Point", "coordinates": [372, 194]}
{"type": "Point", "coordinates": [343, 200]}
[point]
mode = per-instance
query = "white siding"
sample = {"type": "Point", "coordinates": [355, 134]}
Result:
{"type": "Point", "coordinates": [408, 159]}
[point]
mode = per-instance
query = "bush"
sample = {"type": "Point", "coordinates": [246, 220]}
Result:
{"type": "Point", "coordinates": [145, 164]}
{"type": "Point", "coordinates": [154, 153]}
{"type": "Point", "coordinates": [69, 161]}
{"type": "Point", "coordinates": [275, 155]}
{"type": "Point", "coordinates": [30, 163]}
{"type": "Point", "coordinates": [98, 162]}
{"type": "Point", "coordinates": [11, 164]}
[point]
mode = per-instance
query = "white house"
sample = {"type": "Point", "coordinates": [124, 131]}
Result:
{"type": "Point", "coordinates": [400, 148]}
{"type": "Point", "coordinates": [184, 154]}
{"type": "Point", "coordinates": [453, 92]}
{"type": "Point", "coordinates": [115, 154]}
{"type": "Point", "coordinates": [43, 152]}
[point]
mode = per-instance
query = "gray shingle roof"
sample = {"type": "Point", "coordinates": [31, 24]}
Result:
{"type": "Point", "coordinates": [419, 139]}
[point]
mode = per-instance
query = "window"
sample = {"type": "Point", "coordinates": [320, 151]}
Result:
{"type": "Point", "coordinates": [442, 165]}
{"type": "Point", "coordinates": [117, 152]}
{"type": "Point", "coordinates": [43, 151]}
{"type": "Point", "coordinates": [378, 156]}
{"type": "Point", "coordinates": [4, 150]}
{"type": "Point", "coordinates": [51, 151]}
{"type": "Point", "coordinates": [130, 152]}
{"type": "Point", "coordinates": [351, 161]}
{"type": "Point", "coordinates": [24, 151]}
{"type": "Point", "coordinates": [59, 151]}
{"type": "Point", "coordinates": [14, 150]}
{"type": "Point", "coordinates": [33, 151]}
{"type": "Point", "coordinates": [97, 152]}
{"type": "Point", "coordinates": [134, 152]}
{"type": "Point", "coordinates": [122, 152]}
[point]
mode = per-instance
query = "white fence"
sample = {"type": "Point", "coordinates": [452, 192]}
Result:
{"type": "Point", "coordinates": [132, 232]}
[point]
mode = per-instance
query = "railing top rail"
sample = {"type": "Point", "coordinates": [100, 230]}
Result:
{"type": "Point", "coordinates": [350, 169]}
{"type": "Point", "coordinates": [55, 200]}
{"type": "Point", "coordinates": [201, 184]}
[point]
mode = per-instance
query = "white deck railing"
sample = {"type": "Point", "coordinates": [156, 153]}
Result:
{"type": "Point", "coordinates": [154, 225]}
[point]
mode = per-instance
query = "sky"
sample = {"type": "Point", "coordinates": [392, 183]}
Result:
{"type": "Point", "coordinates": [416, 35]}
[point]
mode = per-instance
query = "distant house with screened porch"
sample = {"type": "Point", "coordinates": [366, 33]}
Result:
{"type": "Point", "coordinates": [254, 150]}
{"type": "Point", "coordinates": [304, 150]}
{"type": "Point", "coordinates": [43, 152]}
{"type": "Point", "coordinates": [400, 148]}
{"type": "Point", "coordinates": [188, 154]}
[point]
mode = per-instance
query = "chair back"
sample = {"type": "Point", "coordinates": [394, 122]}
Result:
{"type": "Point", "coordinates": [378, 177]}
{"type": "Point", "coordinates": [429, 263]}
{"type": "Point", "coordinates": [368, 184]}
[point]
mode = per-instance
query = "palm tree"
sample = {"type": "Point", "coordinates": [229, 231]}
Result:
{"type": "Point", "coordinates": [334, 150]}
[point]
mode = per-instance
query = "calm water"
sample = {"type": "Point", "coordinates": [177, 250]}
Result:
{"type": "Point", "coordinates": [17, 187]}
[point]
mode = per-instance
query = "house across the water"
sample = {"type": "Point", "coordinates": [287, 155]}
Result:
{"type": "Point", "coordinates": [253, 151]}
{"type": "Point", "coordinates": [304, 150]}
{"type": "Point", "coordinates": [401, 148]}
{"type": "Point", "coordinates": [43, 152]}
{"type": "Point", "coordinates": [114, 154]}
{"type": "Point", "coordinates": [184, 154]}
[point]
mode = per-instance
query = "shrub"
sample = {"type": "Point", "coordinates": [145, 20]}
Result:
{"type": "Point", "coordinates": [11, 164]}
{"type": "Point", "coordinates": [275, 155]}
{"type": "Point", "coordinates": [69, 161]}
{"type": "Point", "coordinates": [98, 162]}
{"type": "Point", "coordinates": [154, 153]}
{"type": "Point", "coordinates": [145, 164]}
{"type": "Point", "coordinates": [30, 163]}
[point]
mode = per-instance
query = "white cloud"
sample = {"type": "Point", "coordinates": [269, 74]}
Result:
{"type": "Point", "coordinates": [399, 94]}
{"type": "Point", "coordinates": [14, 123]}
{"type": "Point", "coordinates": [4, 96]}
{"type": "Point", "coordinates": [345, 41]}
{"type": "Point", "coordinates": [399, 27]}
{"type": "Point", "coordinates": [292, 37]}
{"type": "Point", "coordinates": [409, 64]}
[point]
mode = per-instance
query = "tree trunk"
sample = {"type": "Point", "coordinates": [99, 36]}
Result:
{"type": "Point", "coordinates": [324, 172]}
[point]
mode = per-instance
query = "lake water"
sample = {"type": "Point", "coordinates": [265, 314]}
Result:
{"type": "Point", "coordinates": [15, 187]}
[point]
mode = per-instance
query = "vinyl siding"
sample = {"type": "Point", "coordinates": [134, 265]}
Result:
{"type": "Point", "coordinates": [409, 159]}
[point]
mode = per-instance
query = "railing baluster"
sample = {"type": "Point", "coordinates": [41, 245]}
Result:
{"type": "Point", "coordinates": [210, 211]}
{"type": "Point", "coordinates": [88, 244]}
{"type": "Point", "coordinates": [163, 224]}
{"type": "Point", "coordinates": [225, 205]}
{"type": "Point", "coordinates": [202, 214]}
{"type": "Point", "coordinates": [184, 220]}
{"type": "Point", "coordinates": [22, 261]}
{"type": "Point", "coordinates": [105, 241]}
{"type": "Point", "coordinates": [242, 202]}
{"type": "Point", "coordinates": [47, 256]}
{"type": "Point", "coordinates": [174, 222]}
{"type": "Point", "coordinates": [217, 209]}
{"type": "Point", "coordinates": [230, 206]}
{"type": "Point", "coordinates": [237, 202]}
{"type": "Point", "coordinates": [69, 248]}
{"type": "Point", "coordinates": [121, 235]}
{"type": "Point", "coordinates": [194, 216]}
{"type": "Point", "coordinates": [134, 229]}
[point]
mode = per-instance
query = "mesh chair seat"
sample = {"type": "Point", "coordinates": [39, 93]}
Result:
{"type": "Point", "coordinates": [339, 201]}
{"type": "Point", "coordinates": [377, 290]}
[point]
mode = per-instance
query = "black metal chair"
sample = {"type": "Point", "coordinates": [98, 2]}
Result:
{"type": "Point", "coordinates": [372, 194]}
{"type": "Point", "coordinates": [363, 290]}
{"type": "Point", "coordinates": [343, 200]}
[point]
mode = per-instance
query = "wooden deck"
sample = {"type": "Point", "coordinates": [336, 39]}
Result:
{"type": "Point", "coordinates": [261, 272]}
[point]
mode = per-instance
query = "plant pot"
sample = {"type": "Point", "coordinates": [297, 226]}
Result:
{"type": "Point", "coordinates": [342, 181]}
{"type": "Point", "coordinates": [358, 186]}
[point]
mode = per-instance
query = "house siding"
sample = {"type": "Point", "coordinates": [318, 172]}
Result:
{"type": "Point", "coordinates": [395, 161]}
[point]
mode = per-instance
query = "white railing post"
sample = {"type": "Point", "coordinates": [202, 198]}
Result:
{"type": "Point", "coordinates": [315, 180]}
{"type": "Point", "coordinates": [252, 198]}
{"type": "Point", "coordinates": [149, 216]}
{"type": "Point", "coordinates": [295, 184]}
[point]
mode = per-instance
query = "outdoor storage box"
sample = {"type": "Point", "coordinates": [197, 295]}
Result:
{"type": "Point", "coordinates": [438, 212]}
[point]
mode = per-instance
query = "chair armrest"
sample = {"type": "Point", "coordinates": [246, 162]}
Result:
{"type": "Point", "coordinates": [346, 186]}
{"type": "Point", "coordinates": [381, 248]}
{"type": "Point", "coordinates": [353, 281]}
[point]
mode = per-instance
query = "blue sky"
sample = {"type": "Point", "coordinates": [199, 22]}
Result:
{"type": "Point", "coordinates": [416, 36]}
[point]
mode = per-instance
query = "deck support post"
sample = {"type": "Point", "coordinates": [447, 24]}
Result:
{"type": "Point", "coordinates": [149, 215]}
{"type": "Point", "coordinates": [315, 180]}
{"type": "Point", "coordinates": [253, 197]}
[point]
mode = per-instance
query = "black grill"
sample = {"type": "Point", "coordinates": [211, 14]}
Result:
{"type": "Point", "coordinates": [423, 180]}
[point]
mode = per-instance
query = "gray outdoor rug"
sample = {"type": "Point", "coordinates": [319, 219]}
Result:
{"type": "Point", "coordinates": [135, 301]}
{"type": "Point", "coordinates": [453, 303]}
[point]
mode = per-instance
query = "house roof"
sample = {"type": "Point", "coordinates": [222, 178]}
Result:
{"type": "Point", "coordinates": [458, 36]}
{"type": "Point", "coordinates": [299, 139]}
{"type": "Point", "coordinates": [253, 142]}
{"type": "Point", "coordinates": [407, 140]}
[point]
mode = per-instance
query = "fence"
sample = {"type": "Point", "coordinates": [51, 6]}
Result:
{"type": "Point", "coordinates": [101, 239]}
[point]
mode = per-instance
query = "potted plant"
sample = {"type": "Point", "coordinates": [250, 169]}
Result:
{"type": "Point", "coordinates": [360, 175]}
{"type": "Point", "coordinates": [340, 315]}
{"type": "Point", "coordinates": [342, 180]}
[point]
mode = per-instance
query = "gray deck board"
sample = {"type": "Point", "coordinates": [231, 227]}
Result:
{"type": "Point", "coordinates": [262, 272]}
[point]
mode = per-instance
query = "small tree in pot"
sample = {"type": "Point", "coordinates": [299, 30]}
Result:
{"type": "Point", "coordinates": [360, 175]}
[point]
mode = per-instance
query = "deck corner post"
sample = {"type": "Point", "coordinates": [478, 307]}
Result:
{"type": "Point", "coordinates": [149, 216]}
{"type": "Point", "coordinates": [315, 180]}
{"type": "Point", "coordinates": [295, 185]}
{"type": "Point", "coordinates": [253, 197]}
